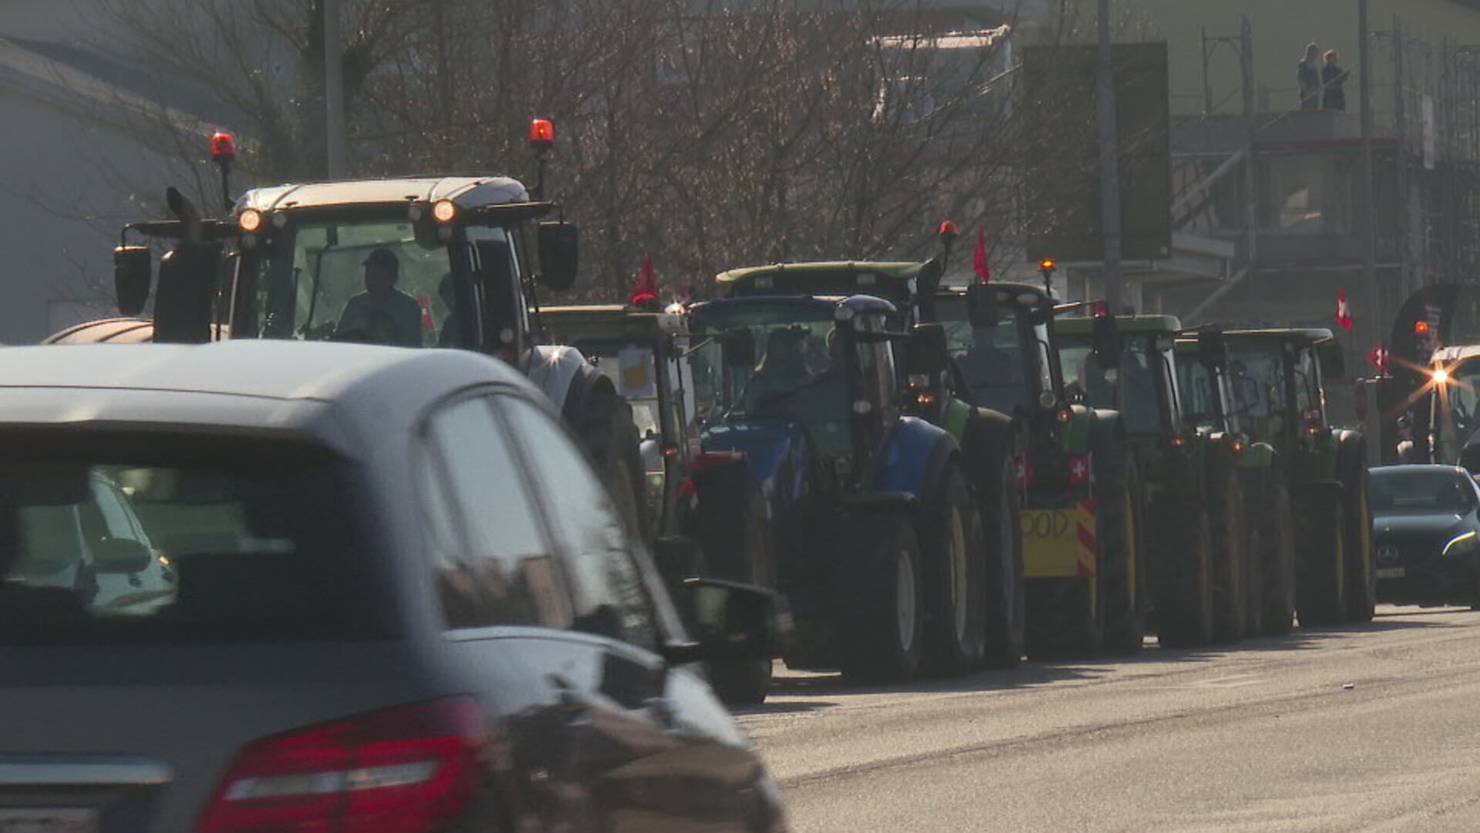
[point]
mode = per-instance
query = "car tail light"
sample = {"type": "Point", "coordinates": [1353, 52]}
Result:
{"type": "Point", "coordinates": [409, 769]}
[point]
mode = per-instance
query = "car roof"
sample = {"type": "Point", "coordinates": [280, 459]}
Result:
{"type": "Point", "coordinates": [253, 385]}
{"type": "Point", "coordinates": [466, 191]}
{"type": "Point", "coordinates": [1419, 468]}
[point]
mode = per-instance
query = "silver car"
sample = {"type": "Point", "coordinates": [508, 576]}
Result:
{"type": "Point", "coordinates": [345, 588]}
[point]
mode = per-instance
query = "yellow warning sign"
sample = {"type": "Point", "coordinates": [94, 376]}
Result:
{"type": "Point", "coordinates": [1059, 543]}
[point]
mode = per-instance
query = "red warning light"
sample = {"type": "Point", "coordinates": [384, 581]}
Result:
{"type": "Point", "coordinates": [949, 229]}
{"type": "Point", "coordinates": [1101, 309]}
{"type": "Point", "coordinates": [1420, 328]}
{"type": "Point", "coordinates": [542, 134]}
{"type": "Point", "coordinates": [223, 146]}
{"type": "Point", "coordinates": [1048, 264]}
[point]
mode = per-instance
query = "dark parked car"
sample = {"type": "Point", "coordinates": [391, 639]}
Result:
{"type": "Point", "coordinates": [1426, 535]}
{"type": "Point", "coordinates": [397, 600]}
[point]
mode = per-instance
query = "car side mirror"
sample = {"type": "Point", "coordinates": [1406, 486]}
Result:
{"type": "Point", "coordinates": [186, 299]}
{"type": "Point", "coordinates": [928, 354]}
{"type": "Point", "coordinates": [1212, 349]}
{"type": "Point", "coordinates": [739, 348]}
{"type": "Point", "coordinates": [730, 621]}
{"type": "Point", "coordinates": [1105, 341]}
{"type": "Point", "coordinates": [133, 268]}
{"type": "Point", "coordinates": [120, 555]}
{"type": "Point", "coordinates": [981, 306]}
{"type": "Point", "coordinates": [559, 245]}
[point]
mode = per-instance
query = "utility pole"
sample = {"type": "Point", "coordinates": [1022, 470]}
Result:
{"type": "Point", "coordinates": [1369, 199]}
{"type": "Point", "coordinates": [1109, 164]}
{"type": "Point", "coordinates": [333, 92]}
{"type": "Point", "coordinates": [1251, 162]}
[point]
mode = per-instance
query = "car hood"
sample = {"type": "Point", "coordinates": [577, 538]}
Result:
{"type": "Point", "coordinates": [1414, 525]}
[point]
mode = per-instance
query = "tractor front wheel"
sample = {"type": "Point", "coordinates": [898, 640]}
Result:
{"type": "Point", "coordinates": [884, 635]}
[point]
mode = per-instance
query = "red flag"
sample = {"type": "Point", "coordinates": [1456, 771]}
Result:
{"type": "Point", "coordinates": [1378, 358]}
{"type": "Point", "coordinates": [646, 291]}
{"type": "Point", "coordinates": [979, 260]}
{"type": "Point", "coordinates": [1343, 312]}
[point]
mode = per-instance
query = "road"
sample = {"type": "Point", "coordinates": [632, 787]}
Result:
{"type": "Point", "coordinates": [1365, 729]}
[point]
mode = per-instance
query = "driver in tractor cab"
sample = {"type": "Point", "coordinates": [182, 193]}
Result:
{"type": "Point", "coordinates": [781, 371]}
{"type": "Point", "coordinates": [383, 312]}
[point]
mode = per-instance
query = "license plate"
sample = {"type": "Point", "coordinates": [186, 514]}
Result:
{"type": "Point", "coordinates": [48, 820]}
{"type": "Point", "coordinates": [1390, 572]}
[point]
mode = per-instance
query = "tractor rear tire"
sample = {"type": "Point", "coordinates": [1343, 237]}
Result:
{"type": "Point", "coordinates": [954, 553]}
{"type": "Point", "coordinates": [1271, 554]}
{"type": "Point", "coordinates": [1184, 608]}
{"type": "Point", "coordinates": [1361, 573]}
{"type": "Point", "coordinates": [1320, 580]}
{"type": "Point", "coordinates": [884, 630]}
{"type": "Point", "coordinates": [1226, 515]}
{"type": "Point", "coordinates": [1121, 573]}
{"type": "Point", "coordinates": [1007, 602]}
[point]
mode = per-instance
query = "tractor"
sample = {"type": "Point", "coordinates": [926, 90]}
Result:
{"type": "Point", "coordinates": [1206, 396]}
{"type": "Point", "coordinates": [710, 516]}
{"type": "Point", "coordinates": [1276, 380]}
{"type": "Point", "coordinates": [987, 438]}
{"type": "Point", "coordinates": [878, 537]}
{"type": "Point", "coordinates": [1447, 408]}
{"type": "Point", "coordinates": [418, 262]}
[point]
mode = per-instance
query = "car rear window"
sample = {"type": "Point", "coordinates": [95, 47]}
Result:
{"type": "Point", "coordinates": [136, 538]}
{"type": "Point", "coordinates": [1420, 491]}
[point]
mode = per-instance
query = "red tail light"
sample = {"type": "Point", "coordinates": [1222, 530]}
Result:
{"type": "Point", "coordinates": [409, 769]}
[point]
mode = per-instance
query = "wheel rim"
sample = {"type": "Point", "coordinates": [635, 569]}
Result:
{"type": "Point", "coordinates": [960, 580]}
{"type": "Point", "coordinates": [904, 601]}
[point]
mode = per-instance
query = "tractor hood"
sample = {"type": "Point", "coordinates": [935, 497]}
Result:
{"type": "Point", "coordinates": [776, 450]}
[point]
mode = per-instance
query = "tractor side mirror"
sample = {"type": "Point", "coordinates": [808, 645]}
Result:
{"type": "Point", "coordinates": [928, 280]}
{"type": "Point", "coordinates": [739, 347]}
{"type": "Point", "coordinates": [560, 254]}
{"type": "Point", "coordinates": [981, 306]}
{"type": "Point", "coordinates": [1105, 341]}
{"type": "Point", "coordinates": [1332, 359]}
{"type": "Point", "coordinates": [928, 354]}
{"type": "Point", "coordinates": [133, 268]}
{"type": "Point", "coordinates": [185, 303]}
{"type": "Point", "coordinates": [1212, 349]}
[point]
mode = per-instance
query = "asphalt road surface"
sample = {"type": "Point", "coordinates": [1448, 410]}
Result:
{"type": "Point", "coordinates": [1374, 728]}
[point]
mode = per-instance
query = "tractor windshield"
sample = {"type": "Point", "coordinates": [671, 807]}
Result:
{"type": "Point", "coordinates": [998, 373]}
{"type": "Point", "coordinates": [1257, 377]}
{"type": "Point", "coordinates": [360, 280]}
{"type": "Point", "coordinates": [1132, 390]}
{"type": "Point", "coordinates": [633, 370]}
{"type": "Point", "coordinates": [1199, 391]}
{"type": "Point", "coordinates": [799, 373]}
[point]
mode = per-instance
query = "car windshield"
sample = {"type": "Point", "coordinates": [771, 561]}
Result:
{"type": "Point", "coordinates": [990, 357]}
{"type": "Point", "coordinates": [359, 280]}
{"type": "Point", "coordinates": [799, 371]}
{"type": "Point", "coordinates": [179, 541]}
{"type": "Point", "coordinates": [1131, 389]}
{"type": "Point", "coordinates": [1421, 491]}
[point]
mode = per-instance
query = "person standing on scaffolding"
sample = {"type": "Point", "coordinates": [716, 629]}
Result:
{"type": "Point", "coordinates": [1308, 78]}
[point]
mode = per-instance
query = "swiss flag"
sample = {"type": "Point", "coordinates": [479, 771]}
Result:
{"type": "Point", "coordinates": [1343, 312]}
{"type": "Point", "coordinates": [1022, 472]}
{"type": "Point", "coordinates": [1378, 358]}
{"type": "Point", "coordinates": [1079, 470]}
{"type": "Point", "coordinates": [979, 260]}
{"type": "Point", "coordinates": [646, 291]}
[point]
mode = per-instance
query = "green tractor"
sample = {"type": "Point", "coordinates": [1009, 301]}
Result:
{"type": "Point", "coordinates": [1195, 556]}
{"type": "Point", "coordinates": [1206, 394]}
{"type": "Point", "coordinates": [1275, 376]}
{"type": "Point", "coordinates": [1076, 467]}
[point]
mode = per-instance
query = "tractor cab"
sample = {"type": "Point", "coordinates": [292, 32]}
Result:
{"type": "Point", "coordinates": [1275, 377]}
{"type": "Point", "coordinates": [1144, 386]}
{"type": "Point", "coordinates": [1450, 408]}
{"type": "Point", "coordinates": [818, 368]}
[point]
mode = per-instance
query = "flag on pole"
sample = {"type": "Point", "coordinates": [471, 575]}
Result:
{"type": "Point", "coordinates": [1378, 358]}
{"type": "Point", "coordinates": [646, 291]}
{"type": "Point", "coordinates": [979, 260]}
{"type": "Point", "coordinates": [1343, 312]}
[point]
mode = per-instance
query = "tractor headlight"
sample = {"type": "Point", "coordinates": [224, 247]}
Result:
{"type": "Point", "coordinates": [1466, 543]}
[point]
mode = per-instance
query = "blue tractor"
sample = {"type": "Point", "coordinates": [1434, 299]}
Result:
{"type": "Point", "coordinates": [877, 536]}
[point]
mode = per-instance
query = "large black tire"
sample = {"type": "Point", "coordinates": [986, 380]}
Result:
{"type": "Point", "coordinates": [1007, 602]}
{"type": "Point", "coordinates": [1118, 499]}
{"type": "Point", "coordinates": [1270, 556]}
{"type": "Point", "coordinates": [1184, 582]}
{"type": "Point", "coordinates": [732, 524]}
{"type": "Point", "coordinates": [1320, 569]}
{"type": "Point", "coordinates": [955, 556]}
{"type": "Point", "coordinates": [1361, 572]}
{"type": "Point", "coordinates": [1226, 516]}
{"type": "Point", "coordinates": [883, 635]}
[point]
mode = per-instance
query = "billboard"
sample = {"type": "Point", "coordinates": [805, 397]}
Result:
{"type": "Point", "coordinates": [1062, 152]}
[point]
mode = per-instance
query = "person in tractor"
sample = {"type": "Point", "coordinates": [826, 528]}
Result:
{"type": "Point", "coordinates": [782, 371]}
{"type": "Point", "coordinates": [382, 312]}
